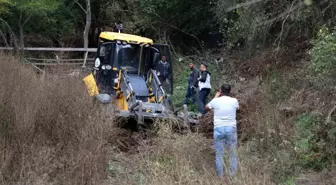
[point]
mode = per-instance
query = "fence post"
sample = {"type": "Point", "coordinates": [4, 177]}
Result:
{"type": "Point", "coordinates": [85, 58]}
{"type": "Point", "coordinates": [185, 115]}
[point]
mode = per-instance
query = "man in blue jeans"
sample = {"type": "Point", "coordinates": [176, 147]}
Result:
{"type": "Point", "coordinates": [225, 129]}
{"type": "Point", "coordinates": [192, 84]}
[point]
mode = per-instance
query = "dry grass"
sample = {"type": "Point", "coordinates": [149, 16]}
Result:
{"type": "Point", "coordinates": [181, 159]}
{"type": "Point", "coordinates": [49, 133]}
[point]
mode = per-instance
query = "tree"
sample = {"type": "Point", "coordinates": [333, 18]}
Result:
{"type": "Point", "coordinates": [87, 25]}
{"type": "Point", "coordinates": [187, 17]}
{"type": "Point", "coordinates": [4, 6]}
{"type": "Point", "coordinates": [25, 9]}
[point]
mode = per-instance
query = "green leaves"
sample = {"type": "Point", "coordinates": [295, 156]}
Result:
{"type": "Point", "coordinates": [35, 6]}
{"type": "Point", "coordinates": [323, 60]}
{"type": "Point", "coordinates": [4, 6]}
{"type": "Point", "coordinates": [190, 16]}
{"type": "Point", "coordinates": [308, 2]}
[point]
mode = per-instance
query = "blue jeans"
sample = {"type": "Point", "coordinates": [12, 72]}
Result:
{"type": "Point", "coordinates": [226, 136]}
{"type": "Point", "coordinates": [202, 98]}
{"type": "Point", "coordinates": [190, 94]}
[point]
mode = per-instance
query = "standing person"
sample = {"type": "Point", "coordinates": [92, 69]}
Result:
{"type": "Point", "coordinates": [192, 83]}
{"type": "Point", "coordinates": [163, 72]}
{"type": "Point", "coordinates": [225, 129]}
{"type": "Point", "coordinates": [204, 87]}
{"type": "Point", "coordinates": [119, 27]}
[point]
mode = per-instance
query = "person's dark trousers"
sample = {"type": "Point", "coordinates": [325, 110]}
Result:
{"type": "Point", "coordinates": [202, 97]}
{"type": "Point", "coordinates": [165, 85]}
{"type": "Point", "coordinates": [191, 93]}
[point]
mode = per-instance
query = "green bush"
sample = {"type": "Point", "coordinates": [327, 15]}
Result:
{"type": "Point", "coordinates": [323, 59]}
{"type": "Point", "coordinates": [310, 143]}
{"type": "Point", "coordinates": [278, 86]}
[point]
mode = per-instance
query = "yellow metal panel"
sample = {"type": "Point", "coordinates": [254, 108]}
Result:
{"type": "Point", "coordinates": [125, 37]}
{"type": "Point", "coordinates": [121, 103]}
{"type": "Point", "coordinates": [91, 85]}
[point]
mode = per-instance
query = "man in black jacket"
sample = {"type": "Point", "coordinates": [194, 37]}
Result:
{"type": "Point", "coordinates": [204, 87]}
{"type": "Point", "coordinates": [192, 83]}
{"type": "Point", "coordinates": [163, 71]}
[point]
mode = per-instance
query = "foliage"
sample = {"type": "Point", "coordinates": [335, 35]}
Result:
{"type": "Point", "coordinates": [189, 16]}
{"type": "Point", "coordinates": [309, 144]}
{"type": "Point", "coordinates": [261, 23]}
{"type": "Point", "coordinates": [323, 60]}
{"type": "Point", "coordinates": [34, 6]}
{"type": "Point", "coordinates": [244, 22]}
{"type": "Point", "coordinates": [279, 87]}
{"type": "Point", "coordinates": [4, 6]}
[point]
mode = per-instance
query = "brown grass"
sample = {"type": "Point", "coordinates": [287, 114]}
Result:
{"type": "Point", "coordinates": [50, 131]}
{"type": "Point", "coordinates": [170, 158]}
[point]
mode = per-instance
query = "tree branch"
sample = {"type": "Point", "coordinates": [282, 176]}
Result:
{"type": "Point", "coordinates": [76, 1]}
{"type": "Point", "coordinates": [25, 22]}
{"type": "Point", "coordinates": [330, 115]}
{"type": "Point", "coordinates": [178, 29]}
{"type": "Point", "coordinates": [242, 5]}
{"type": "Point", "coordinates": [11, 32]}
{"type": "Point", "coordinates": [4, 38]}
{"type": "Point", "coordinates": [280, 16]}
{"type": "Point", "coordinates": [282, 28]}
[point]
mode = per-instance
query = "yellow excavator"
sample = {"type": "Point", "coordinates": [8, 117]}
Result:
{"type": "Point", "coordinates": [124, 76]}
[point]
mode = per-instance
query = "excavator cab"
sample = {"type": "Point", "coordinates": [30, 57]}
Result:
{"type": "Point", "coordinates": [124, 75]}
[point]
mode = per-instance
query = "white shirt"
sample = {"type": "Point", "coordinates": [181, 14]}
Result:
{"type": "Point", "coordinates": [225, 109]}
{"type": "Point", "coordinates": [205, 84]}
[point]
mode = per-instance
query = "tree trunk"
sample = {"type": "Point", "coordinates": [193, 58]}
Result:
{"type": "Point", "coordinates": [21, 31]}
{"type": "Point", "coordinates": [4, 38]}
{"type": "Point", "coordinates": [21, 36]}
{"type": "Point", "coordinates": [87, 29]}
{"type": "Point", "coordinates": [88, 24]}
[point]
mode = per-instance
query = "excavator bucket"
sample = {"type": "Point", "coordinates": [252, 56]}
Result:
{"type": "Point", "coordinates": [91, 85]}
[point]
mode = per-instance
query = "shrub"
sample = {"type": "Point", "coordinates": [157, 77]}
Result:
{"type": "Point", "coordinates": [323, 60]}
{"type": "Point", "coordinates": [309, 143]}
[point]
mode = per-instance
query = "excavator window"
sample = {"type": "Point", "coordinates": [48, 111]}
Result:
{"type": "Point", "coordinates": [102, 51]}
{"type": "Point", "coordinates": [128, 56]}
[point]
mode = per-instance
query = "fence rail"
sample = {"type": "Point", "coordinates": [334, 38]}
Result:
{"type": "Point", "coordinates": [35, 62]}
{"type": "Point", "coordinates": [52, 49]}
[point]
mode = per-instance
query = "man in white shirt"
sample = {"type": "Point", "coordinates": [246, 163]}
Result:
{"type": "Point", "coordinates": [204, 88]}
{"type": "Point", "coordinates": [225, 129]}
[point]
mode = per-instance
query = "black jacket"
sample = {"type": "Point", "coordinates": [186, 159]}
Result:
{"type": "Point", "coordinates": [192, 79]}
{"type": "Point", "coordinates": [163, 69]}
{"type": "Point", "coordinates": [204, 76]}
{"type": "Point", "coordinates": [204, 80]}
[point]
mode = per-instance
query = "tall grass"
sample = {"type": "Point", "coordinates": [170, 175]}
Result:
{"type": "Point", "coordinates": [50, 132]}
{"type": "Point", "coordinates": [170, 158]}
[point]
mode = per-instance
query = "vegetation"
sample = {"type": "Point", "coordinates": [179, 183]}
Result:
{"type": "Point", "coordinates": [279, 55]}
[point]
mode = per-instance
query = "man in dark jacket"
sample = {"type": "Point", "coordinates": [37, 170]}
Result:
{"type": "Point", "coordinates": [204, 87]}
{"type": "Point", "coordinates": [163, 71]}
{"type": "Point", "coordinates": [192, 83]}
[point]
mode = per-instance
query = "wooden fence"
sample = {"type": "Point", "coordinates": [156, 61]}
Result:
{"type": "Point", "coordinates": [35, 62]}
